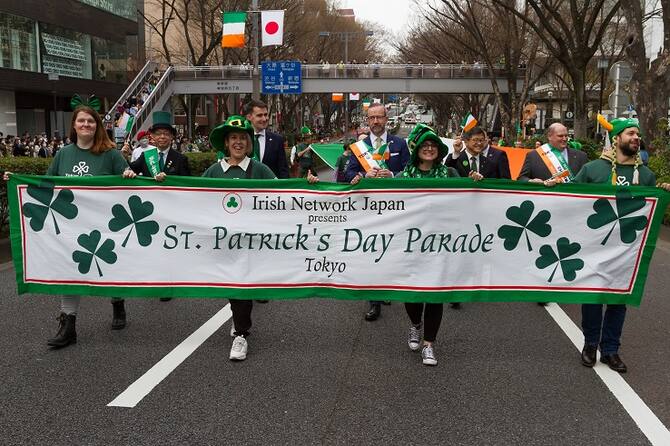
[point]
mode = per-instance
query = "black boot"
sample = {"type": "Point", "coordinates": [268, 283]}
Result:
{"type": "Point", "coordinates": [119, 317]}
{"type": "Point", "coordinates": [67, 333]}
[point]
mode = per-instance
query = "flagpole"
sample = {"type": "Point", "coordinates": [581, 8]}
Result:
{"type": "Point", "coordinates": [256, 80]}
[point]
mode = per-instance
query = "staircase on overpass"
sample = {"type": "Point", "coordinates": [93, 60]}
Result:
{"type": "Point", "coordinates": [316, 78]}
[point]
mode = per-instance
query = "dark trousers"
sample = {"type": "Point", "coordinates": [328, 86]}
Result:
{"type": "Point", "coordinates": [241, 315]}
{"type": "Point", "coordinates": [432, 318]}
{"type": "Point", "coordinates": [604, 331]}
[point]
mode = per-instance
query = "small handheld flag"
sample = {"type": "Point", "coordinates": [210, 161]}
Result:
{"type": "Point", "coordinates": [468, 123]}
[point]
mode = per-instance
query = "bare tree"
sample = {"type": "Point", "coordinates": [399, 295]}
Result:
{"type": "Point", "coordinates": [650, 86]}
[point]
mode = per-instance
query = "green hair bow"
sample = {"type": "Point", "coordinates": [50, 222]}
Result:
{"type": "Point", "coordinates": [92, 102]}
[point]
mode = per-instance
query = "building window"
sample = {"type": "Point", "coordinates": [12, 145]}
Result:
{"type": "Point", "coordinates": [109, 60]}
{"type": "Point", "coordinates": [18, 48]}
{"type": "Point", "coordinates": [123, 8]}
{"type": "Point", "coordinates": [65, 52]}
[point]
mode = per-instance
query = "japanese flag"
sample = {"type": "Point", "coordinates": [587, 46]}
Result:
{"type": "Point", "coordinates": [272, 26]}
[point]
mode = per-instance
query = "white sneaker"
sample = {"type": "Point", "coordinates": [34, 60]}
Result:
{"type": "Point", "coordinates": [238, 352]}
{"type": "Point", "coordinates": [428, 356]}
{"type": "Point", "coordinates": [414, 338]}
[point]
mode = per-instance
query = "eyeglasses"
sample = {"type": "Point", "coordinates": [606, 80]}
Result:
{"type": "Point", "coordinates": [376, 118]}
{"type": "Point", "coordinates": [477, 141]}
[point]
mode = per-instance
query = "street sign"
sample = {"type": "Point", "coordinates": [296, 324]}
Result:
{"type": "Point", "coordinates": [569, 115]}
{"type": "Point", "coordinates": [52, 76]}
{"type": "Point", "coordinates": [624, 70]}
{"type": "Point", "coordinates": [281, 77]}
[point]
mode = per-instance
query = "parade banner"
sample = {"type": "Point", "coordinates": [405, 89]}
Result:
{"type": "Point", "coordinates": [426, 240]}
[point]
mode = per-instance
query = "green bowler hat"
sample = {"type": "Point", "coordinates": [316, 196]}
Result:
{"type": "Point", "coordinates": [234, 123]}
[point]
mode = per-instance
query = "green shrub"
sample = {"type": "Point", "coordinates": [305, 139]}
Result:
{"type": "Point", "coordinates": [660, 165]}
{"type": "Point", "coordinates": [19, 164]}
{"type": "Point", "coordinates": [199, 162]}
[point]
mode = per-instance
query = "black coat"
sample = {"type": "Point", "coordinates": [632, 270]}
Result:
{"type": "Point", "coordinates": [274, 155]}
{"type": "Point", "coordinates": [494, 165]}
{"type": "Point", "coordinates": [175, 164]}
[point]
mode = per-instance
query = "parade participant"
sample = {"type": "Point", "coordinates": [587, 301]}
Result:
{"type": "Point", "coordinates": [92, 153]}
{"type": "Point", "coordinates": [480, 157]}
{"type": "Point", "coordinates": [553, 162]}
{"type": "Point", "coordinates": [619, 165]}
{"type": "Point", "coordinates": [142, 138]}
{"type": "Point", "coordinates": [342, 163]}
{"type": "Point", "coordinates": [234, 138]}
{"type": "Point", "coordinates": [304, 154]}
{"type": "Point", "coordinates": [170, 162]}
{"type": "Point", "coordinates": [268, 147]}
{"type": "Point", "coordinates": [380, 143]}
{"type": "Point", "coordinates": [428, 151]}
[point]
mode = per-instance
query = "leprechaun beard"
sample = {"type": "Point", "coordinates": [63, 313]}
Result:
{"type": "Point", "coordinates": [627, 150]}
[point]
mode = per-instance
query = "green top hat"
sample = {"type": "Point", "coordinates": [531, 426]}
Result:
{"type": "Point", "coordinates": [162, 120]}
{"type": "Point", "coordinates": [421, 133]}
{"type": "Point", "coordinates": [234, 123]}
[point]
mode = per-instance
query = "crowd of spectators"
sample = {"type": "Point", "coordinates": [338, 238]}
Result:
{"type": "Point", "coordinates": [31, 145]}
{"type": "Point", "coordinates": [134, 103]}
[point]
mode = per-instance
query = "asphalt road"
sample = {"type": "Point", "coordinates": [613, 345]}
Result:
{"type": "Point", "coordinates": [317, 373]}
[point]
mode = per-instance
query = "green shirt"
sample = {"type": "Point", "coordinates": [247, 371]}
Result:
{"type": "Point", "coordinates": [599, 171]}
{"type": "Point", "coordinates": [71, 161]}
{"type": "Point", "coordinates": [259, 171]}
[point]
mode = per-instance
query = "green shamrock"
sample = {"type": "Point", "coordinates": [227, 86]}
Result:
{"type": "Point", "coordinates": [232, 203]}
{"type": "Point", "coordinates": [521, 216]}
{"type": "Point", "coordinates": [626, 204]}
{"type": "Point", "coordinates": [62, 204]}
{"type": "Point", "coordinates": [90, 243]}
{"type": "Point", "coordinates": [138, 211]}
{"type": "Point", "coordinates": [565, 249]}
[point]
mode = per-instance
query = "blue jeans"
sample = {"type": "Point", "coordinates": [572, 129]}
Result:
{"type": "Point", "coordinates": [604, 331]}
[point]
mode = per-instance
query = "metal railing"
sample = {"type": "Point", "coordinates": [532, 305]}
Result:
{"type": "Point", "coordinates": [145, 112]}
{"type": "Point", "coordinates": [132, 90]}
{"type": "Point", "coordinates": [352, 71]}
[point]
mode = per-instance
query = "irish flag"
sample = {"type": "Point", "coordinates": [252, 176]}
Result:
{"type": "Point", "coordinates": [233, 29]}
{"type": "Point", "coordinates": [469, 122]}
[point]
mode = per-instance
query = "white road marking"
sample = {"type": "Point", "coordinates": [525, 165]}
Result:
{"type": "Point", "coordinates": [647, 421]}
{"type": "Point", "coordinates": [146, 383]}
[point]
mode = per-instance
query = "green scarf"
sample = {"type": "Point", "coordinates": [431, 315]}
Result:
{"type": "Point", "coordinates": [439, 171]}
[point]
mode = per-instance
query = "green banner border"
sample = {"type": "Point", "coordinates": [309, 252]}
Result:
{"type": "Point", "coordinates": [295, 292]}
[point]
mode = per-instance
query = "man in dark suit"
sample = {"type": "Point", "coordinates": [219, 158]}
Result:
{"type": "Point", "coordinates": [170, 162]}
{"type": "Point", "coordinates": [478, 156]}
{"type": "Point", "coordinates": [398, 158]}
{"type": "Point", "coordinates": [536, 168]}
{"type": "Point", "coordinates": [553, 162]}
{"type": "Point", "coordinates": [268, 147]}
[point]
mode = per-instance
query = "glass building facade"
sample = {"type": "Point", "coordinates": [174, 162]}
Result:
{"type": "Point", "coordinates": [123, 8]}
{"type": "Point", "coordinates": [18, 43]}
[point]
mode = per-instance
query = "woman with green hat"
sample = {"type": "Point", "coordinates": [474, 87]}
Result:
{"type": "Point", "coordinates": [427, 152]}
{"type": "Point", "coordinates": [234, 137]}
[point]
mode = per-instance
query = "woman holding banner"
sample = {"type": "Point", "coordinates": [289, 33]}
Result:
{"type": "Point", "coordinates": [92, 153]}
{"type": "Point", "coordinates": [234, 137]}
{"type": "Point", "coordinates": [427, 151]}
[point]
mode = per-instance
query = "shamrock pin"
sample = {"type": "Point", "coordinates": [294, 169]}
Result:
{"type": "Point", "coordinates": [138, 211]}
{"type": "Point", "coordinates": [564, 249]}
{"type": "Point", "coordinates": [626, 204]}
{"type": "Point", "coordinates": [232, 203]}
{"type": "Point", "coordinates": [62, 204]}
{"type": "Point", "coordinates": [90, 243]}
{"type": "Point", "coordinates": [521, 215]}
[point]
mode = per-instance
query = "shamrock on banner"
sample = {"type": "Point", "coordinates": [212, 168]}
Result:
{"type": "Point", "coordinates": [44, 194]}
{"type": "Point", "coordinates": [560, 257]}
{"type": "Point", "coordinates": [626, 204]}
{"type": "Point", "coordinates": [139, 210]}
{"type": "Point", "coordinates": [104, 252]}
{"type": "Point", "coordinates": [521, 215]}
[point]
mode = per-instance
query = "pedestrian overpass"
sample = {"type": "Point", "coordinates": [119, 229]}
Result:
{"type": "Point", "coordinates": [316, 79]}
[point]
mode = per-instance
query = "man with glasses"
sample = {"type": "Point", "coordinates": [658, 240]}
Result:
{"type": "Point", "coordinates": [478, 156]}
{"type": "Point", "coordinates": [478, 159]}
{"type": "Point", "coordinates": [379, 142]}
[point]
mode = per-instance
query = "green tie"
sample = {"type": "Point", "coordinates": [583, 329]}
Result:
{"type": "Point", "coordinates": [473, 164]}
{"type": "Point", "coordinates": [161, 161]}
{"type": "Point", "coordinates": [257, 148]}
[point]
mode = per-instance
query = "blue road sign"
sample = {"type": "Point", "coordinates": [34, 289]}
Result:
{"type": "Point", "coordinates": [281, 77]}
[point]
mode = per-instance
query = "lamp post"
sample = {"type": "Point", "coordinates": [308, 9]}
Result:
{"type": "Point", "coordinates": [344, 36]}
{"type": "Point", "coordinates": [550, 95]}
{"type": "Point", "coordinates": [602, 66]}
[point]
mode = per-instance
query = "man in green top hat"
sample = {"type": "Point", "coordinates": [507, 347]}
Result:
{"type": "Point", "coordinates": [170, 162]}
{"type": "Point", "coordinates": [304, 155]}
